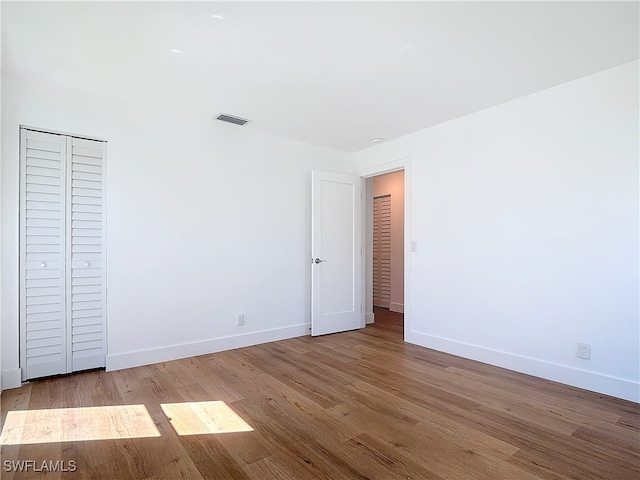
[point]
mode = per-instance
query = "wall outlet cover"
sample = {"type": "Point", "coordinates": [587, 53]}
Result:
{"type": "Point", "coordinates": [584, 350]}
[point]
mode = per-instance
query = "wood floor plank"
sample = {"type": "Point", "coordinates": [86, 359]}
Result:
{"type": "Point", "coordinates": [444, 454]}
{"type": "Point", "coordinates": [267, 469]}
{"type": "Point", "coordinates": [613, 436]}
{"type": "Point", "coordinates": [295, 376]}
{"type": "Point", "coordinates": [380, 460]}
{"type": "Point", "coordinates": [296, 443]}
{"type": "Point", "coordinates": [211, 459]}
{"type": "Point", "coordinates": [561, 410]}
{"type": "Point", "coordinates": [298, 406]}
{"type": "Point", "coordinates": [538, 447]}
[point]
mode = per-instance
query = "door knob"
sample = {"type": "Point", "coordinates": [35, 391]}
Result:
{"type": "Point", "coordinates": [43, 265]}
{"type": "Point", "coordinates": [317, 260]}
{"type": "Point", "coordinates": [87, 264]}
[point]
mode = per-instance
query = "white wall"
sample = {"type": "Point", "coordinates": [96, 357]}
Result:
{"type": "Point", "coordinates": [526, 222]}
{"type": "Point", "coordinates": [393, 184]}
{"type": "Point", "coordinates": [205, 220]}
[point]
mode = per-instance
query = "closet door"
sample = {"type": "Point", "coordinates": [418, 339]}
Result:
{"type": "Point", "coordinates": [43, 334]}
{"type": "Point", "coordinates": [382, 251]}
{"type": "Point", "coordinates": [62, 260]}
{"type": "Point", "coordinates": [85, 255]}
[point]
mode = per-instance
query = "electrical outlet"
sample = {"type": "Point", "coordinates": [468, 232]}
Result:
{"type": "Point", "coordinates": [240, 319]}
{"type": "Point", "coordinates": [584, 350]}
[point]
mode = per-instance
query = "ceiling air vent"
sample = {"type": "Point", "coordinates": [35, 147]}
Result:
{"type": "Point", "coordinates": [232, 119]}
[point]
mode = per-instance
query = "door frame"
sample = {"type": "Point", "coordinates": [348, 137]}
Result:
{"type": "Point", "coordinates": [370, 172]}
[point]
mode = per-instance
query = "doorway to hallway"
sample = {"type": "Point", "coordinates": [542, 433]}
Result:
{"type": "Point", "coordinates": [385, 259]}
{"type": "Point", "coordinates": [389, 321]}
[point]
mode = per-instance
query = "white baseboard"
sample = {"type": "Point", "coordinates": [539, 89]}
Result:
{"type": "Point", "coordinates": [595, 382]}
{"type": "Point", "coordinates": [138, 358]}
{"type": "Point", "coordinates": [396, 307]}
{"type": "Point", "coordinates": [10, 379]}
{"type": "Point", "coordinates": [368, 318]}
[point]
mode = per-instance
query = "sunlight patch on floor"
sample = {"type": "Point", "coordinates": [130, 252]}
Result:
{"type": "Point", "coordinates": [203, 418]}
{"type": "Point", "coordinates": [77, 424]}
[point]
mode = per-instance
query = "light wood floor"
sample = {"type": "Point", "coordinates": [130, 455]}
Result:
{"type": "Point", "coordinates": [356, 405]}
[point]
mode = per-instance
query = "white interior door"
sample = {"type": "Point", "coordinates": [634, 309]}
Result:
{"type": "Point", "coordinates": [336, 271]}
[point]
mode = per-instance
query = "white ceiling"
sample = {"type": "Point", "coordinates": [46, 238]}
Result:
{"type": "Point", "coordinates": [328, 73]}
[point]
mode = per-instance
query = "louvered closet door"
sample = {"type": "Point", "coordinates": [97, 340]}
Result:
{"type": "Point", "coordinates": [85, 265]}
{"type": "Point", "coordinates": [382, 251]}
{"type": "Point", "coordinates": [62, 265]}
{"type": "Point", "coordinates": [43, 339]}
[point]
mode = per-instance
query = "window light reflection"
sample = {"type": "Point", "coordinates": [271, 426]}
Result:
{"type": "Point", "coordinates": [77, 424]}
{"type": "Point", "coordinates": [204, 418]}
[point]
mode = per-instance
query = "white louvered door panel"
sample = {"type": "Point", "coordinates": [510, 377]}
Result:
{"type": "Point", "coordinates": [382, 251]}
{"type": "Point", "coordinates": [85, 256]}
{"type": "Point", "coordinates": [376, 252]}
{"type": "Point", "coordinates": [43, 339]}
{"type": "Point", "coordinates": [62, 259]}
